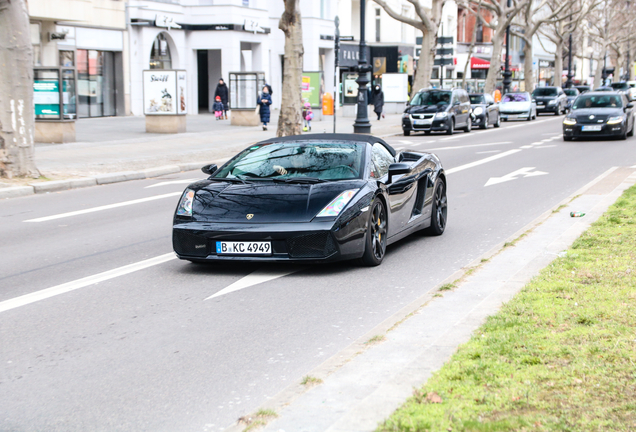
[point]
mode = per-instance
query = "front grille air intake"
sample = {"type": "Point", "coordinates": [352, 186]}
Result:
{"type": "Point", "coordinates": [317, 245]}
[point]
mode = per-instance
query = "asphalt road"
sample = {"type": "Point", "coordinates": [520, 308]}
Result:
{"type": "Point", "coordinates": [143, 347]}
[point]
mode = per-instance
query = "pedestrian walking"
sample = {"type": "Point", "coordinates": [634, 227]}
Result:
{"type": "Point", "coordinates": [218, 108]}
{"type": "Point", "coordinates": [497, 96]}
{"type": "Point", "coordinates": [378, 100]}
{"type": "Point", "coordinates": [308, 116]}
{"type": "Point", "coordinates": [264, 101]}
{"type": "Point", "coordinates": [222, 92]}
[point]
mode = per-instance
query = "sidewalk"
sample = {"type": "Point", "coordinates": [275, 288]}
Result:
{"type": "Point", "coordinates": [116, 144]}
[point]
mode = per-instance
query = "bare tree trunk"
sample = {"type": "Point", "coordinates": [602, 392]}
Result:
{"type": "Point", "coordinates": [599, 68]}
{"type": "Point", "coordinates": [558, 65]}
{"type": "Point", "coordinates": [495, 60]}
{"type": "Point", "coordinates": [290, 119]}
{"type": "Point", "coordinates": [471, 48]}
{"type": "Point", "coordinates": [528, 75]}
{"type": "Point", "coordinates": [17, 119]}
{"type": "Point", "coordinates": [422, 77]}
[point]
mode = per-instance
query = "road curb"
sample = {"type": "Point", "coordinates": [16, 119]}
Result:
{"type": "Point", "coordinates": [16, 191]}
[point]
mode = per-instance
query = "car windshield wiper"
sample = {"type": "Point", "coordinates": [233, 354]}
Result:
{"type": "Point", "coordinates": [230, 180]}
{"type": "Point", "coordinates": [303, 179]}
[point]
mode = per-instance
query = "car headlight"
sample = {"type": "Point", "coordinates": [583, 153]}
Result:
{"type": "Point", "coordinates": [441, 115]}
{"type": "Point", "coordinates": [478, 110]}
{"type": "Point", "coordinates": [185, 205]}
{"type": "Point", "coordinates": [552, 102]}
{"type": "Point", "coordinates": [569, 121]}
{"type": "Point", "coordinates": [615, 120]}
{"type": "Point", "coordinates": [337, 204]}
{"type": "Point", "coordinates": [405, 115]}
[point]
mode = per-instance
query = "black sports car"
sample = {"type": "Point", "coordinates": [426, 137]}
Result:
{"type": "Point", "coordinates": [599, 114]}
{"type": "Point", "coordinates": [316, 198]}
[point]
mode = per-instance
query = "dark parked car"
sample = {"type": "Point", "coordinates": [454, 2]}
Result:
{"type": "Point", "coordinates": [310, 198]}
{"type": "Point", "coordinates": [599, 114]}
{"type": "Point", "coordinates": [571, 94]}
{"type": "Point", "coordinates": [550, 99]}
{"type": "Point", "coordinates": [622, 87]}
{"type": "Point", "coordinates": [582, 88]}
{"type": "Point", "coordinates": [485, 110]}
{"type": "Point", "coordinates": [433, 110]}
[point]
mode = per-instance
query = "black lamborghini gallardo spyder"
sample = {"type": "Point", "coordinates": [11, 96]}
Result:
{"type": "Point", "coordinates": [311, 198]}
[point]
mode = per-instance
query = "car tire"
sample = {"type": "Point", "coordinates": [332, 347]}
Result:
{"type": "Point", "coordinates": [439, 212]}
{"type": "Point", "coordinates": [631, 132]}
{"type": "Point", "coordinates": [428, 132]}
{"type": "Point", "coordinates": [451, 127]}
{"type": "Point", "coordinates": [567, 138]}
{"type": "Point", "coordinates": [407, 133]}
{"type": "Point", "coordinates": [505, 119]}
{"type": "Point", "coordinates": [623, 136]}
{"type": "Point", "coordinates": [498, 122]}
{"type": "Point", "coordinates": [469, 125]}
{"type": "Point", "coordinates": [484, 125]}
{"type": "Point", "coordinates": [375, 238]}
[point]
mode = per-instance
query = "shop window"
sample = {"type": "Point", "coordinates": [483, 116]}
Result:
{"type": "Point", "coordinates": [36, 42]}
{"type": "Point", "coordinates": [95, 83]}
{"type": "Point", "coordinates": [67, 58]}
{"type": "Point", "coordinates": [160, 54]}
{"type": "Point", "coordinates": [435, 73]}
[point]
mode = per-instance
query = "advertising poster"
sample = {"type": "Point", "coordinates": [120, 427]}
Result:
{"type": "Point", "coordinates": [395, 87]}
{"type": "Point", "coordinates": [312, 88]}
{"type": "Point", "coordinates": [182, 91]}
{"type": "Point", "coordinates": [46, 97]}
{"type": "Point", "coordinates": [160, 92]}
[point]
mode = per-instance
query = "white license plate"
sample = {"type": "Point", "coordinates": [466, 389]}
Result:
{"type": "Point", "coordinates": [422, 122]}
{"type": "Point", "coordinates": [243, 248]}
{"type": "Point", "coordinates": [591, 128]}
{"type": "Point", "coordinates": [513, 117]}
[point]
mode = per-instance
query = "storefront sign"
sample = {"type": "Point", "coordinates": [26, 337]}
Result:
{"type": "Point", "coordinates": [165, 92]}
{"type": "Point", "coordinates": [46, 97]}
{"type": "Point", "coordinates": [166, 21]}
{"type": "Point", "coordinates": [312, 88]}
{"type": "Point", "coordinates": [349, 55]}
{"type": "Point", "coordinates": [252, 26]}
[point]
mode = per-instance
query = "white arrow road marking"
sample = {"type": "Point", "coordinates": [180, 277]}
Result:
{"type": "Point", "coordinates": [526, 172]}
{"type": "Point", "coordinates": [84, 282]}
{"type": "Point", "coordinates": [257, 277]}
{"type": "Point", "coordinates": [482, 161]}
{"type": "Point", "coordinates": [172, 182]}
{"type": "Point", "coordinates": [106, 207]}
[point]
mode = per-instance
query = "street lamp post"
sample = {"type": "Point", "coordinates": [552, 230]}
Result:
{"type": "Point", "coordinates": [568, 83]}
{"type": "Point", "coordinates": [507, 75]}
{"type": "Point", "coordinates": [362, 124]}
{"type": "Point", "coordinates": [628, 73]}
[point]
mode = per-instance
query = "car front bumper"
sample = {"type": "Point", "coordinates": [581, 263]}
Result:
{"type": "Point", "coordinates": [435, 126]}
{"type": "Point", "coordinates": [575, 131]}
{"type": "Point", "coordinates": [547, 109]}
{"type": "Point", "coordinates": [298, 242]}
{"type": "Point", "coordinates": [516, 116]}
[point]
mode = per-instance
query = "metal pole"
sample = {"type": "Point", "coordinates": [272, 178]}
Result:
{"type": "Point", "coordinates": [335, 70]}
{"type": "Point", "coordinates": [362, 124]}
{"type": "Point", "coordinates": [507, 75]}
{"type": "Point", "coordinates": [568, 83]}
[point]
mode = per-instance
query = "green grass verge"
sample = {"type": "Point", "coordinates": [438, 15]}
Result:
{"type": "Point", "coordinates": [560, 356]}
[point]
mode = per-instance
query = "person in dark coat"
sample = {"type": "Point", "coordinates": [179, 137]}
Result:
{"type": "Point", "coordinates": [378, 100]}
{"type": "Point", "coordinates": [265, 101]}
{"type": "Point", "coordinates": [222, 91]}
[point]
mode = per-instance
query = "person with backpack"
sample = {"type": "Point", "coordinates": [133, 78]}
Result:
{"type": "Point", "coordinates": [308, 116]}
{"type": "Point", "coordinates": [222, 92]}
{"type": "Point", "coordinates": [264, 101]}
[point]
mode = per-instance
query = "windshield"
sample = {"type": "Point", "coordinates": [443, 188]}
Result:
{"type": "Point", "coordinates": [545, 92]}
{"type": "Point", "coordinates": [432, 97]}
{"type": "Point", "coordinates": [477, 99]}
{"type": "Point", "coordinates": [597, 101]}
{"type": "Point", "coordinates": [515, 97]}
{"type": "Point", "coordinates": [620, 86]}
{"type": "Point", "coordinates": [571, 92]}
{"type": "Point", "coordinates": [297, 160]}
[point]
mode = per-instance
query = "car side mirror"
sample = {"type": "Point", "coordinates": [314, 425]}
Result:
{"type": "Point", "coordinates": [209, 169]}
{"type": "Point", "coordinates": [398, 169]}
{"type": "Point", "coordinates": [630, 105]}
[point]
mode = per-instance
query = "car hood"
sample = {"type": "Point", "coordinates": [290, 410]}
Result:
{"type": "Point", "coordinates": [267, 202]}
{"type": "Point", "coordinates": [426, 109]}
{"type": "Point", "coordinates": [514, 106]}
{"type": "Point", "coordinates": [598, 113]}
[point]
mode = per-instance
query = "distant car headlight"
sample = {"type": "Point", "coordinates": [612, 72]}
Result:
{"type": "Point", "coordinates": [335, 207]}
{"type": "Point", "coordinates": [615, 120]}
{"type": "Point", "coordinates": [569, 121]}
{"type": "Point", "coordinates": [441, 115]}
{"type": "Point", "coordinates": [185, 205]}
{"type": "Point", "coordinates": [478, 111]}
{"type": "Point", "coordinates": [552, 102]}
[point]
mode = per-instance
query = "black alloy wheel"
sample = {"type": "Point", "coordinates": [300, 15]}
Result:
{"type": "Point", "coordinates": [451, 126]}
{"type": "Point", "coordinates": [439, 215]}
{"type": "Point", "coordinates": [375, 244]}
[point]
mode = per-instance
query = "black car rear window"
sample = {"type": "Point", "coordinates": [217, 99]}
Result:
{"type": "Point", "coordinates": [571, 92]}
{"type": "Point", "coordinates": [432, 97]}
{"type": "Point", "coordinates": [296, 159]}
{"type": "Point", "coordinates": [545, 92]}
{"type": "Point", "coordinates": [597, 101]}
{"type": "Point", "coordinates": [620, 86]}
{"type": "Point", "coordinates": [477, 99]}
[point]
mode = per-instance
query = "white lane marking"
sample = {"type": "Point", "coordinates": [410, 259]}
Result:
{"type": "Point", "coordinates": [450, 138]}
{"type": "Point", "coordinates": [525, 172]}
{"type": "Point", "coordinates": [257, 277]}
{"type": "Point", "coordinates": [469, 146]}
{"type": "Point", "coordinates": [404, 142]}
{"type": "Point", "coordinates": [526, 147]}
{"type": "Point", "coordinates": [482, 161]}
{"type": "Point", "coordinates": [488, 151]}
{"type": "Point", "coordinates": [633, 166]}
{"type": "Point", "coordinates": [171, 182]}
{"type": "Point", "coordinates": [547, 146]}
{"type": "Point", "coordinates": [105, 207]}
{"type": "Point", "coordinates": [84, 282]}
